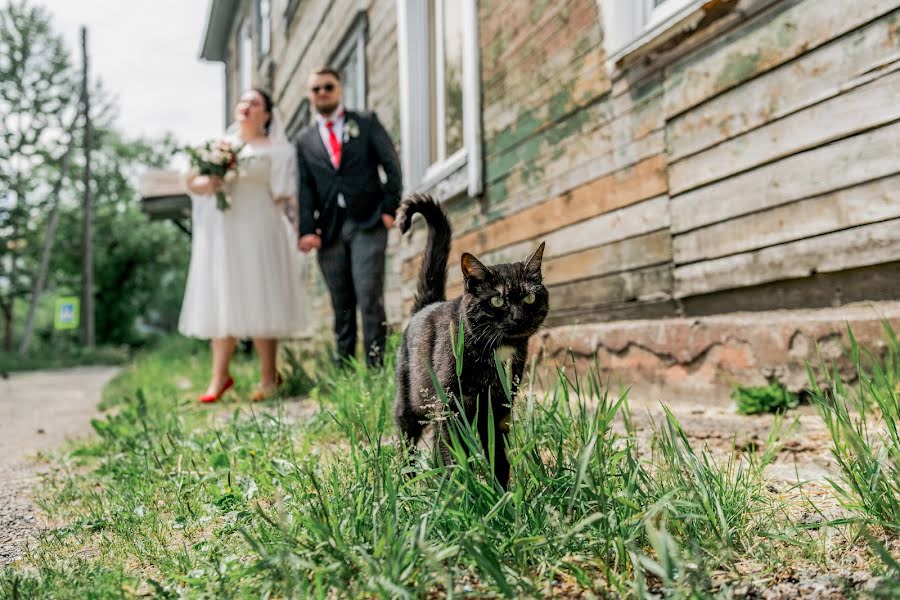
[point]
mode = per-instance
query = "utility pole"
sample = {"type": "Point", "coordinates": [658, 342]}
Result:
{"type": "Point", "coordinates": [87, 246]}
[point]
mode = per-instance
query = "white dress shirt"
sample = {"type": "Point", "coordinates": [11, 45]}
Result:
{"type": "Point", "coordinates": [338, 120]}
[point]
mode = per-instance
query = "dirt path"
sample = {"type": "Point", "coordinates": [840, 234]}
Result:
{"type": "Point", "coordinates": [39, 411]}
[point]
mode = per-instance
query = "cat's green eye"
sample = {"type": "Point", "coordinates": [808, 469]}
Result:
{"type": "Point", "coordinates": [529, 299]}
{"type": "Point", "coordinates": [497, 301]}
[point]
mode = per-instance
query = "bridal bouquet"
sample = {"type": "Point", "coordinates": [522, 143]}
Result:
{"type": "Point", "coordinates": [218, 158]}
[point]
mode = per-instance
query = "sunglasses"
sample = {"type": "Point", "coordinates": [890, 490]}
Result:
{"type": "Point", "coordinates": [328, 87]}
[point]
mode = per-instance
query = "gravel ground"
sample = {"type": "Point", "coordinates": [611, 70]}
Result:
{"type": "Point", "coordinates": [39, 411]}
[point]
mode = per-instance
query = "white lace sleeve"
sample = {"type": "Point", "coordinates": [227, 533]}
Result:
{"type": "Point", "coordinates": [284, 173]}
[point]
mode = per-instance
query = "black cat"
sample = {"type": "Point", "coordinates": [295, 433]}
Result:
{"type": "Point", "coordinates": [500, 308]}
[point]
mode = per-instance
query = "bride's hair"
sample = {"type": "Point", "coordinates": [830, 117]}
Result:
{"type": "Point", "coordinates": [267, 102]}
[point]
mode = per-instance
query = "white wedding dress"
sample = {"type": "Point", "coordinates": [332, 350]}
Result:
{"type": "Point", "coordinates": [245, 278]}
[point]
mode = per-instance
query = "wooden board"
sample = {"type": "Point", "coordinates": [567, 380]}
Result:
{"type": "Point", "coordinates": [866, 107]}
{"type": "Point", "coordinates": [845, 163]}
{"type": "Point", "coordinates": [571, 83]}
{"type": "Point", "coordinates": [623, 188]}
{"type": "Point", "coordinates": [630, 254]}
{"type": "Point", "coordinates": [857, 247]}
{"type": "Point", "coordinates": [316, 32]}
{"type": "Point", "coordinates": [627, 224]}
{"type": "Point", "coordinates": [771, 39]}
{"type": "Point", "coordinates": [871, 202]}
{"type": "Point", "coordinates": [629, 186]}
{"type": "Point", "coordinates": [589, 143]}
{"type": "Point", "coordinates": [865, 284]}
{"type": "Point", "coordinates": [586, 131]}
{"type": "Point", "coordinates": [578, 154]}
{"type": "Point", "coordinates": [814, 77]}
{"type": "Point", "coordinates": [641, 285]}
{"type": "Point", "coordinates": [520, 47]}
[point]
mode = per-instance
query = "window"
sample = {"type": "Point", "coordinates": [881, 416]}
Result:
{"type": "Point", "coordinates": [350, 62]}
{"type": "Point", "coordinates": [633, 25]}
{"type": "Point", "coordinates": [264, 27]}
{"type": "Point", "coordinates": [440, 95]}
{"type": "Point", "coordinates": [445, 64]}
{"type": "Point", "coordinates": [245, 58]}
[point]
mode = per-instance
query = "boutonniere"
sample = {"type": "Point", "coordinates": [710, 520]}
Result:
{"type": "Point", "coordinates": [351, 130]}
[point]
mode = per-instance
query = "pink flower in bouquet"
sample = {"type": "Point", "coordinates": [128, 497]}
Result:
{"type": "Point", "coordinates": [218, 158]}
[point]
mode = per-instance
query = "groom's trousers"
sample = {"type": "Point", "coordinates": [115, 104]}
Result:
{"type": "Point", "coordinates": [353, 268]}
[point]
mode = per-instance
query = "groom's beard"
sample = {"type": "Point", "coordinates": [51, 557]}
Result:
{"type": "Point", "coordinates": [326, 110]}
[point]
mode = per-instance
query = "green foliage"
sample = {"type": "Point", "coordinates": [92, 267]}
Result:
{"type": "Point", "coordinates": [762, 399]}
{"type": "Point", "coordinates": [352, 396]}
{"type": "Point", "coordinates": [174, 502]}
{"type": "Point", "coordinates": [38, 90]}
{"type": "Point", "coordinates": [296, 380]}
{"type": "Point", "coordinates": [139, 267]}
{"type": "Point", "coordinates": [864, 422]}
{"type": "Point", "coordinates": [12, 362]}
{"type": "Point", "coordinates": [710, 505]}
{"type": "Point", "coordinates": [162, 371]}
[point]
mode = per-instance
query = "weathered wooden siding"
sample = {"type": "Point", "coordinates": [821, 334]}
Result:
{"type": "Point", "coordinates": [766, 153]}
{"type": "Point", "coordinates": [758, 152]}
{"type": "Point", "coordinates": [565, 162]}
{"type": "Point", "coordinates": [782, 146]}
{"type": "Point", "coordinates": [310, 40]}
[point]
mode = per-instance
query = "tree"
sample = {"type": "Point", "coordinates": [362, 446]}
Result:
{"type": "Point", "coordinates": [38, 93]}
{"type": "Point", "coordinates": [139, 266]}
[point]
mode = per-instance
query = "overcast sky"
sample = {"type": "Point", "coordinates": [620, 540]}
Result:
{"type": "Point", "coordinates": [146, 53]}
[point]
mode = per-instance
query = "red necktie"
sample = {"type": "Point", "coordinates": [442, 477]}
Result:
{"type": "Point", "coordinates": [335, 144]}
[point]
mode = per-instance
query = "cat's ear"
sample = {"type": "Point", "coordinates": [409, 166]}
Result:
{"type": "Point", "coordinates": [472, 268]}
{"type": "Point", "coordinates": [533, 264]}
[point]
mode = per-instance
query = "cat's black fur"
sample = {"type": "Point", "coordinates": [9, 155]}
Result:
{"type": "Point", "coordinates": [427, 343]}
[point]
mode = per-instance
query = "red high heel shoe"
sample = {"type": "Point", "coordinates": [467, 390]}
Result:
{"type": "Point", "coordinates": [207, 398]}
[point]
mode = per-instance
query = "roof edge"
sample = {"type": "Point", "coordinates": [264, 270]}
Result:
{"type": "Point", "coordinates": [218, 28]}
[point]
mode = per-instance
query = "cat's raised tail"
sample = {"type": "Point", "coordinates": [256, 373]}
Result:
{"type": "Point", "coordinates": [433, 275]}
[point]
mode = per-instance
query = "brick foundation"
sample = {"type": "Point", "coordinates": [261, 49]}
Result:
{"type": "Point", "coordinates": [751, 348]}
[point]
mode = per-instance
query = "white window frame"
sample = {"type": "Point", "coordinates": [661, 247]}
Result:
{"type": "Point", "coordinates": [415, 126]}
{"type": "Point", "coordinates": [633, 26]}
{"type": "Point", "coordinates": [354, 43]}
{"type": "Point", "coordinates": [264, 28]}
{"type": "Point", "coordinates": [245, 57]}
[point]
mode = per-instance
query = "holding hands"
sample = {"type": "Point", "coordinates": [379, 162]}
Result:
{"type": "Point", "coordinates": [312, 240]}
{"type": "Point", "coordinates": [308, 242]}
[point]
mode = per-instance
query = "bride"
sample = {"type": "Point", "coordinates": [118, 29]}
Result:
{"type": "Point", "coordinates": [244, 278]}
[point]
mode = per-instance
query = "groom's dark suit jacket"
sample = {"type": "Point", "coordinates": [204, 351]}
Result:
{"type": "Point", "coordinates": [366, 197]}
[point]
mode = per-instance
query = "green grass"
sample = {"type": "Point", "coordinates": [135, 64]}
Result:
{"type": "Point", "coordinates": [772, 398]}
{"type": "Point", "coordinates": [864, 422]}
{"type": "Point", "coordinates": [13, 362]}
{"type": "Point", "coordinates": [716, 505]}
{"type": "Point", "coordinates": [173, 500]}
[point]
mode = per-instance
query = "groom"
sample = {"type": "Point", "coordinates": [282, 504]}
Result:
{"type": "Point", "coordinates": [346, 211]}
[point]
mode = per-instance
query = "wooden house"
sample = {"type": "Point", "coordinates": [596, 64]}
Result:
{"type": "Point", "coordinates": [696, 167]}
